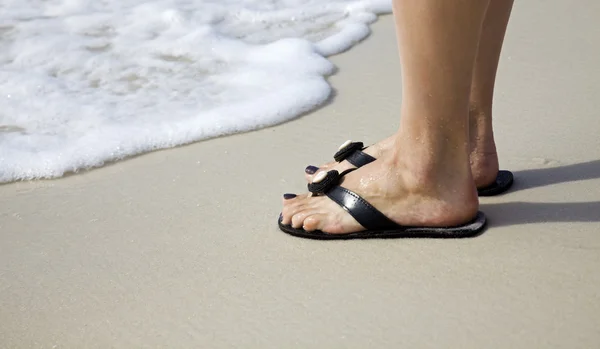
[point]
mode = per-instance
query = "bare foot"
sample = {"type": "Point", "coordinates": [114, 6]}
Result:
{"type": "Point", "coordinates": [376, 150]}
{"type": "Point", "coordinates": [483, 156]}
{"type": "Point", "coordinates": [407, 192]}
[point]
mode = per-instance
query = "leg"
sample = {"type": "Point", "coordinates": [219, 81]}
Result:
{"type": "Point", "coordinates": [484, 158]}
{"type": "Point", "coordinates": [425, 179]}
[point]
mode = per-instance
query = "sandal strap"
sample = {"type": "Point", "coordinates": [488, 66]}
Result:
{"type": "Point", "coordinates": [359, 158]}
{"type": "Point", "coordinates": [330, 180]}
{"type": "Point", "coordinates": [353, 153]}
{"type": "Point", "coordinates": [364, 213]}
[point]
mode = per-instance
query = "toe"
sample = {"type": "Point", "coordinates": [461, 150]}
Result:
{"type": "Point", "coordinates": [313, 221]}
{"type": "Point", "coordinates": [311, 171]}
{"type": "Point", "coordinates": [298, 219]}
{"type": "Point", "coordinates": [317, 213]}
{"type": "Point", "coordinates": [310, 175]}
{"type": "Point", "coordinates": [289, 196]}
{"type": "Point", "coordinates": [292, 206]}
{"type": "Point", "coordinates": [291, 200]}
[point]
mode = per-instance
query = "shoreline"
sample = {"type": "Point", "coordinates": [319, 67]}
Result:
{"type": "Point", "coordinates": [180, 247]}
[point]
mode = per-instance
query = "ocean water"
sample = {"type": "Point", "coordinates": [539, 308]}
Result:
{"type": "Point", "coordinates": [83, 82]}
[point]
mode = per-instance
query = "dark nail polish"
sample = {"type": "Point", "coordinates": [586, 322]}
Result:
{"type": "Point", "coordinates": [289, 196]}
{"type": "Point", "coordinates": [311, 169]}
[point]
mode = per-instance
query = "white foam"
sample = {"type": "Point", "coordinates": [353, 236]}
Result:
{"type": "Point", "coordinates": [83, 82]}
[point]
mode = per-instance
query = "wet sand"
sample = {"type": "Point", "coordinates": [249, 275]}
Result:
{"type": "Point", "coordinates": [180, 248]}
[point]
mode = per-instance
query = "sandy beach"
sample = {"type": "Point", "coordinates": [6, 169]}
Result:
{"type": "Point", "coordinates": [180, 248]}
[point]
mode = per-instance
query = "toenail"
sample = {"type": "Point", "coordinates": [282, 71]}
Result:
{"type": "Point", "coordinates": [346, 143]}
{"type": "Point", "coordinates": [311, 169]}
{"type": "Point", "coordinates": [321, 176]}
{"type": "Point", "coordinates": [289, 196]}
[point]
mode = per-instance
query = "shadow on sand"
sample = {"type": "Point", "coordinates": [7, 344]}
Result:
{"type": "Point", "coordinates": [513, 213]}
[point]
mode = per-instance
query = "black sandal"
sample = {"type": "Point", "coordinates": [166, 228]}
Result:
{"type": "Point", "coordinates": [353, 153]}
{"type": "Point", "coordinates": [377, 225]}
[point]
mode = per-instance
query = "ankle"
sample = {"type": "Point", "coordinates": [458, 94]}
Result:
{"type": "Point", "coordinates": [480, 116]}
{"type": "Point", "coordinates": [379, 149]}
{"type": "Point", "coordinates": [429, 154]}
{"type": "Point", "coordinates": [443, 194]}
{"type": "Point", "coordinates": [482, 108]}
{"type": "Point", "coordinates": [484, 167]}
{"type": "Point", "coordinates": [481, 132]}
{"type": "Point", "coordinates": [424, 171]}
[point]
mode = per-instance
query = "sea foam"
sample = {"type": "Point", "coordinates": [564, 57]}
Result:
{"type": "Point", "coordinates": [83, 82]}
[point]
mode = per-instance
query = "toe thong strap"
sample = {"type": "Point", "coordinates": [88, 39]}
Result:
{"type": "Point", "coordinates": [327, 183]}
{"type": "Point", "coordinates": [324, 182]}
{"type": "Point", "coordinates": [364, 213]}
{"type": "Point", "coordinates": [353, 153]}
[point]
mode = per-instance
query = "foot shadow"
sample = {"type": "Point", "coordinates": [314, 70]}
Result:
{"type": "Point", "coordinates": [517, 213]}
{"type": "Point", "coordinates": [528, 179]}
